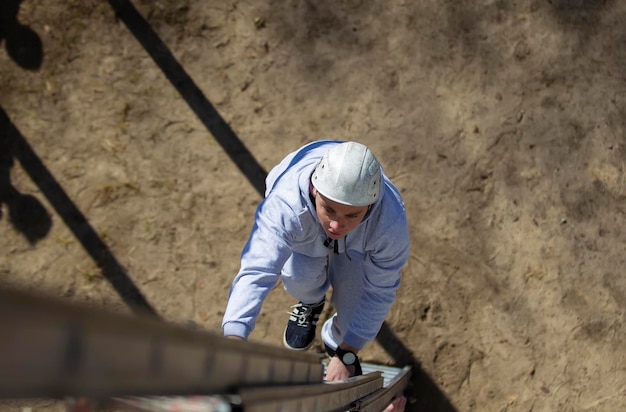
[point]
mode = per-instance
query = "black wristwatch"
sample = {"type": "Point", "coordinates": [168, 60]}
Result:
{"type": "Point", "coordinates": [347, 357]}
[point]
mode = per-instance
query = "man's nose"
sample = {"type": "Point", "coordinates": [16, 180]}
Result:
{"type": "Point", "coordinates": [337, 224]}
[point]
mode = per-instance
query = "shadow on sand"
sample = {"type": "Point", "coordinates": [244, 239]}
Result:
{"type": "Point", "coordinates": [31, 218]}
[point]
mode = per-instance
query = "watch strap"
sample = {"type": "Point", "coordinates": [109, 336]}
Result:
{"type": "Point", "coordinates": [346, 357]}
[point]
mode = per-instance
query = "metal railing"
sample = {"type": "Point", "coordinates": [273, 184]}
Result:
{"type": "Point", "coordinates": [51, 348]}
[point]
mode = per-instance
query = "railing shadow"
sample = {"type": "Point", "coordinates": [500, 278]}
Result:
{"type": "Point", "coordinates": [16, 146]}
{"type": "Point", "coordinates": [22, 43]}
{"type": "Point", "coordinates": [192, 94]}
{"type": "Point", "coordinates": [423, 393]}
{"type": "Point", "coordinates": [25, 212]}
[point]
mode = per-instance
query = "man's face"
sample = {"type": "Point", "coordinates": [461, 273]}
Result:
{"type": "Point", "coordinates": [337, 219]}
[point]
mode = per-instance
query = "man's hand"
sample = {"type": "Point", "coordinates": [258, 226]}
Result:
{"type": "Point", "coordinates": [397, 405]}
{"type": "Point", "coordinates": [336, 370]}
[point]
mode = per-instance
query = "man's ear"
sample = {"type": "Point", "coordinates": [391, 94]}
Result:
{"type": "Point", "coordinates": [313, 191]}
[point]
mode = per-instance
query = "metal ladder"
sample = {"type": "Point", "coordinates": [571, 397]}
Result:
{"type": "Point", "coordinates": [56, 349]}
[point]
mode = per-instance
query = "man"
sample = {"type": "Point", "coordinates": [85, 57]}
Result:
{"type": "Point", "coordinates": [330, 218]}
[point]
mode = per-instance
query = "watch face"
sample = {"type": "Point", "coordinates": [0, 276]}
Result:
{"type": "Point", "coordinates": [348, 358]}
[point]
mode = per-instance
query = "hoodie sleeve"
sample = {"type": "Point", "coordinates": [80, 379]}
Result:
{"type": "Point", "coordinates": [262, 259]}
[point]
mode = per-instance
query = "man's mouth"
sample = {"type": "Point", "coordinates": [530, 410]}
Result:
{"type": "Point", "coordinates": [334, 234]}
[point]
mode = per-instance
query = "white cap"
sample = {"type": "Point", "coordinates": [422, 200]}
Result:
{"type": "Point", "coordinates": [349, 174]}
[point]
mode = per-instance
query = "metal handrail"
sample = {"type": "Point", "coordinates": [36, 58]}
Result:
{"type": "Point", "coordinates": [51, 348]}
{"type": "Point", "coordinates": [327, 396]}
{"type": "Point", "coordinates": [377, 401]}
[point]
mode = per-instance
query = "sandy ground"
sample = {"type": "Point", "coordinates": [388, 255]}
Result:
{"type": "Point", "coordinates": [134, 139]}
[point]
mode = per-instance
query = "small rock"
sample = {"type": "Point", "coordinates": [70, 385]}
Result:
{"type": "Point", "coordinates": [186, 202]}
{"type": "Point", "coordinates": [522, 50]}
{"type": "Point", "coordinates": [259, 22]}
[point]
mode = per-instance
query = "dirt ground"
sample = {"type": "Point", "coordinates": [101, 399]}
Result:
{"type": "Point", "coordinates": [133, 148]}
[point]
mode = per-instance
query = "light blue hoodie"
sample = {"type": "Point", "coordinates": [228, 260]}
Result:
{"type": "Point", "coordinates": [286, 224]}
